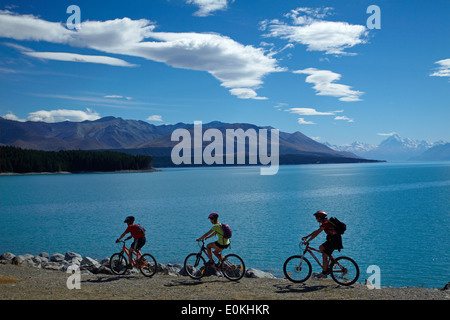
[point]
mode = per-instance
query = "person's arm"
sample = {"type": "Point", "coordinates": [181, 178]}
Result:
{"type": "Point", "coordinates": [123, 235]}
{"type": "Point", "coordinates": [312, 235]}
{"type": "Point", "coordinates": [209, 234]}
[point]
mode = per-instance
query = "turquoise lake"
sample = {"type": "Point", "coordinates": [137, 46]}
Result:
{"type": "Point", "coordinates": [397, 214]}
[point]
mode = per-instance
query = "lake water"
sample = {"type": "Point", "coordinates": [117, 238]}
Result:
{"type": "Point", "coordinates": [397, 215]}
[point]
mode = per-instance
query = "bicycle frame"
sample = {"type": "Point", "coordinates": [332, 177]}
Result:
{"type": "Point", "coordinates": [227, 264]}
{"type": "Point", "coordinates": [136, 254]}
{"type": "Point", "coordinates": [310, 251]}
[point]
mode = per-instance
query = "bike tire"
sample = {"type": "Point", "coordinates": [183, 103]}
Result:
{"type": "Point", "coordinates": [147, 264]}
{"type": "Point", "coordinates": [118, 263]}
{"type": "Point", "coordinates": [233, 267]}
{"type": "Point", "coordinates": [194, 265]}
{"type": "Point", "coordinates": [296, 273]}
{"type": "Point", "coordinates": [351, 268]}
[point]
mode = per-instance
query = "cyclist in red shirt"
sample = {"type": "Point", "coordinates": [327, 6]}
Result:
{"type": "Point", "coordinates": [137, 233]}
{"type": "Point", "coordinates": [333, 242]}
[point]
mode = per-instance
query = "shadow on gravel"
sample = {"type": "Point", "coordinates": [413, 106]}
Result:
{"type": "Point", "coordinates": [295, 288]}
{"type": "Point", "coordinates": [189, 282]}
{"type": "Point", "coordinates": [108, 279]}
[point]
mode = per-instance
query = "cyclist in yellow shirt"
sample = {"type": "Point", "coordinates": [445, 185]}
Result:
{"type": "Point", "coordinates": [220, 244]}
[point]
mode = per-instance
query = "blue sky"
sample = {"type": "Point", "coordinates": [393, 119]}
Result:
{"type": "Point", "coordinates": [309, 66]}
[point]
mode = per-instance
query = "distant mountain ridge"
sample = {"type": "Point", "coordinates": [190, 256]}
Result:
{"type": "Point", "coordinates": [394, 148]}
{"type": "Point", "coordinates": [139, 137]}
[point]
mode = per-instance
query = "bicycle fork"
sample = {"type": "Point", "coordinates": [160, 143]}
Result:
{"type": "Point", "coordinates": [299, 267]}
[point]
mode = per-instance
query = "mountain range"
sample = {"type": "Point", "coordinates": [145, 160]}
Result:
{"type": "Point", "coordinates": [139, 137]}
{"type": "Point", "coordinates": [396, 148]}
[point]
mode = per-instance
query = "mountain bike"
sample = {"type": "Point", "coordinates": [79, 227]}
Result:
{"type": "Point", "coordinates": [232, 266]}
{"type": "Point", "coordinates": [343, 270]}
{"type": "Point", "coordinates": [146, 263]}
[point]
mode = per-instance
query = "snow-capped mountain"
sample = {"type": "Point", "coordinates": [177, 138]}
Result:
{"type": "Point", "coordinates": [394, 148]}
{"type": "Point", "coordinates": [355, 147]}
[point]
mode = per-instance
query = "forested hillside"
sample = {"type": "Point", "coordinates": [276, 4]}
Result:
{"type": "Point", "coordinates": [17, 160]}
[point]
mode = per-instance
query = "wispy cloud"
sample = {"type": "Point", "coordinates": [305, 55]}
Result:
{"type": "Point", "coordinates": [74, 57]}
{"type": "Point", "coordinates": [443, 70]}
{"type": "Point", "coordinates": [311, 112]}
{"type": "Point", "coordinates": [115, 96]}
{"type": "Point", "coordinates": [303, 121]}
{"type": "Point", "coordinates": [306, 26]}
{"type": "Point", "coordinates": [387, 134]}
{"type": "Point", "coordinates": [66, 56]}
{"type": "Point", "coordinates": [59, 115]}
{"type": "Point", "coordinates": [98, 101]}
{"type": "Point", "coordinates": [324, 84]}
{"type": "Point", "coordinates": [207, 7]}
{"type": "Point", "coordinates": [239, 68]}
{"type": "Point", "coordinates": [345, 118]}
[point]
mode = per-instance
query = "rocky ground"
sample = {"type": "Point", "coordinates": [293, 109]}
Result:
{"type": "Point", "coordinates": [41, 277]}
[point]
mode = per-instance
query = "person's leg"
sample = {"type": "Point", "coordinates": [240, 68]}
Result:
{"type": "Point", "coordinates": [325, 257]}
{"type": "Point", "coordinates": [217, 251]}
{"type": "Point", "coordinates": [218, 254]}
{"type": "Point", "coordinates": [209, 247]}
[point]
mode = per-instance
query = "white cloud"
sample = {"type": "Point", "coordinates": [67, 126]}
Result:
{"type": "Point", "coordinates": [235, 65]}
{"type": "Point", "coordinates": [444, 69]}
{"type": "Point", "coordinates": [74, 57]}
{"type": "Point", "coordinates": [154, 118]}
{"type": "Point", "coordinates": [307, 27]}
{"type": "Point", "coordinates": [387, 134]}
{"type": "Point", "coordinates": [345, 118]}
{"type": "Point", "coordinates": [303, 121]}
{"type": "Point", "coordinates": [246, 93]}
{"type": "Point", "coordinates": [12, 116]}
{"type": "Point", "coordinates": [206, 7]}
{"type": "Point", "coordinates": [324, 84]}
{"type": "Point", "coordinates": [311, 112]}
{"type": "Point", "coordinates": [115, 96]}
{"type": "Point", "coordinates": [59, 115]}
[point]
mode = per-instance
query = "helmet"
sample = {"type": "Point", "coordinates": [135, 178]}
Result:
{"type": "Point", "coordinates": [320, 214]}
{"type": "Point", "coordinates": [129, 219]}
{"type": "Point", "coordinates": [213, 216]}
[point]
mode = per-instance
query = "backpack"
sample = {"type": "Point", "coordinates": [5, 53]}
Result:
{"type": "Point", "coordinates": [226, 231]}
{"type": "Point", "coordinates": [339, 226]}
{"type": "Point", "coordinates": [139, 230]}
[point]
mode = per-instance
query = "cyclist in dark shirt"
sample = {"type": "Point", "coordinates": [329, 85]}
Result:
{"type": "Point", "coordinates": [333, 242]}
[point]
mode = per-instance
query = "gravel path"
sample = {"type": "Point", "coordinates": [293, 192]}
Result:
{"type": "Point", "coordinates": [19, 282]}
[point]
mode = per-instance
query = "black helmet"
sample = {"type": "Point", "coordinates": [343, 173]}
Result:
{"type": "Point", "coordinates": [129, 219]}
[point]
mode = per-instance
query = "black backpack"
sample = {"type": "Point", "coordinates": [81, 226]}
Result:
{"type": "Point", "coordinates": [339, 226]}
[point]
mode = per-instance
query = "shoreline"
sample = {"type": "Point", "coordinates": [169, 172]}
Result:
{"type": "Point", "coordinates": [78, 172]}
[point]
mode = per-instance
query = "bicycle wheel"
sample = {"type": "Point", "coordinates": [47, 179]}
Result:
{"type": "Point", "coordinates": [118, 263]}
{"type": "Point", "coordinates": [194, 264]}
{"type": "Point", "coordinates": [147, 265]}
{"type": "Point", "coordinates": [233, 267]}
{"type": "Point", "coordinates": [296, 270]}
{"type": "Point", "coordinates": [344, 271]}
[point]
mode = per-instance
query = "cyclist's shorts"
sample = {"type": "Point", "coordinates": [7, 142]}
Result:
{"type": "Point", "coordinates": [332, 243]}
{"type": "Point", "coordinates": [221, 246]}
{"type": "Point", "coordinates": [138, 243]}
{"type": "Point", "coordinates": [328, 247]}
